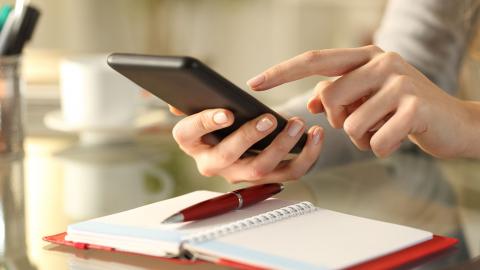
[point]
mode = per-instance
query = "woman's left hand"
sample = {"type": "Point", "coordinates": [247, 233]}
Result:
{"type": "Point", "coordinates": [381, 100]}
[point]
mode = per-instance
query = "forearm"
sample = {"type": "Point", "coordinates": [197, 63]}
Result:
{"type": "Point", "coordinates": [472, 127]}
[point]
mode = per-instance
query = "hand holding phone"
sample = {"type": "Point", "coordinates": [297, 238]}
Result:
{"type": "Point", "coordinates": [216, 106]}
{"type": "Point", "coordinates": [224, 158]}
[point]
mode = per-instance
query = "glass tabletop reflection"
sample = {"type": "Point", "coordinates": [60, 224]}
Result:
{"type": "Point", "coordinates": [59, 182]}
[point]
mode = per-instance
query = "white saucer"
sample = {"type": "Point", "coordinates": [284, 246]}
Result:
{"type": "Point", "coordinates": [55, 121]}
{"type": "Point", "coordinates": [106, 134]}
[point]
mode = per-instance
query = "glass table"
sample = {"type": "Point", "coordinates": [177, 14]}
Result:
{"type": "Point", "coordinates": [59, 182]}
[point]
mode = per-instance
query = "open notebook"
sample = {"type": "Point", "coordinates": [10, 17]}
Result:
{"type": "Point", "coordinates": [272, 234]}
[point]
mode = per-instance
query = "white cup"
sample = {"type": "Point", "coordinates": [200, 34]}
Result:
{"type": "Point", "coordinates": [96, 100]}
{"type": "Point", "coordinates": [98, 188]}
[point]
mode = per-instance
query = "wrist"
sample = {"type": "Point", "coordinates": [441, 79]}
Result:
{"type": "Point", "coordinates": [472, 129]}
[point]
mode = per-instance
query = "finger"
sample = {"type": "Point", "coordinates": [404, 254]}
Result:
{"type": "Point", "coordinates": [388, 138]}
{"type": "Point", "coordinates": [175, 111]}
{"type": "Point", "coordinates": [379, 124]}
{"type": "Point", "coordinates": [314, 104]}
{"type": "Point", "coordinates": [270, 157]}
{"type": "Point", "coordinates": [286, 170]}
{"type": "Point", "coordinates": [373, 113]}
{"type": "Point", "coordinates": [346, 93]}
{"type": "Point", "coordinates": [189, 131]}
{"type": "Point", "coordinates": [232, 147]}
{"type": "Point", "coordinates": [363, 81]}
{"type": "Point", "coordinates": [330, 62]}
{"type": "Point", "coordinates": [299, 166]}
{"type": "Point", "coordinates": [363, 143]}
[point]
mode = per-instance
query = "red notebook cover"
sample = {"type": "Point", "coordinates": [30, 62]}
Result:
{"type": "Point", "coordinates": [390, 261]}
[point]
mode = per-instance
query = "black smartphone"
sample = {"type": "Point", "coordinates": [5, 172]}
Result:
{"type": "Point", "coordinates": [191, 86]}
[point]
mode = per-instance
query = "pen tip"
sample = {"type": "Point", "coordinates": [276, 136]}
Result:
{"type": "Point", "coordinates": [282, 187]}
{"type": "Point", "coordinates": [174, 219]}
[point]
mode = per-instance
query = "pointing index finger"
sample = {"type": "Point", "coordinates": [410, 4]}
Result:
{"type": "Point", "coordinates": [330, 62]}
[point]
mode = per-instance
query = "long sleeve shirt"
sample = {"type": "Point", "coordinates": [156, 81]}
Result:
{"type": "Point", "coordinates": [432, 35]}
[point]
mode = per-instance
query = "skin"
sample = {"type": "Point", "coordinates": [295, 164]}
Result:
{"type": "Point", "coordinates": [377, 98]}
{"type": "Point", "coordinates": [226, 158]}
{"type": "Point", "coordinates": [380, 100]}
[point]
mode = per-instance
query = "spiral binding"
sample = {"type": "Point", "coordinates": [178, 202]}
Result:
{"type": "Point", "coordinates": [248, 223]}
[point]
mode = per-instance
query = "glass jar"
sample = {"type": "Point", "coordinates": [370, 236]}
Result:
{"type": "Point", "coordinates": [11, 124]}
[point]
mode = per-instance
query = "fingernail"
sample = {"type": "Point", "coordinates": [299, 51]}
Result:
{"type": "Point", "coordinates": [220, 118]}
{"type": "Point", "coordinates": [256, 81]}
{"type": "Point", "coordinates": [295, 128]}
{"type": "Point", "coordinates": [264, 124]}
{"type": "Point", "coordinates": [316, 136]}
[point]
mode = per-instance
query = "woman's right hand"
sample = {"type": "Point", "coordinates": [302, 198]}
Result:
{"type": "Point", "coordinates": [380, 100]}
{"type": "Point", "coordinates": [225, 158]}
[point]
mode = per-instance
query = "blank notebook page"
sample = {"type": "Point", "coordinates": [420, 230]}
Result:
{"type": "Point", "coordinates": [141, 229]}
{"type": "Point", "coordinates": [321, 239]}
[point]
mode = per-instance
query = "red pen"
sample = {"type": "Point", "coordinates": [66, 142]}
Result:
{"type": "Point", "coordinates": [225, 203]}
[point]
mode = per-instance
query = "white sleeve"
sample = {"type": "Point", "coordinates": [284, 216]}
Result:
{"type": "Point", "coordinates": [430, 34]}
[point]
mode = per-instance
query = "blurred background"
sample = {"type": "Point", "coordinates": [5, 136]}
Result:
{"type": "Point", "coordinates": [61, 182]}
{"type": "Point", "coordinates": [237, 38]}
